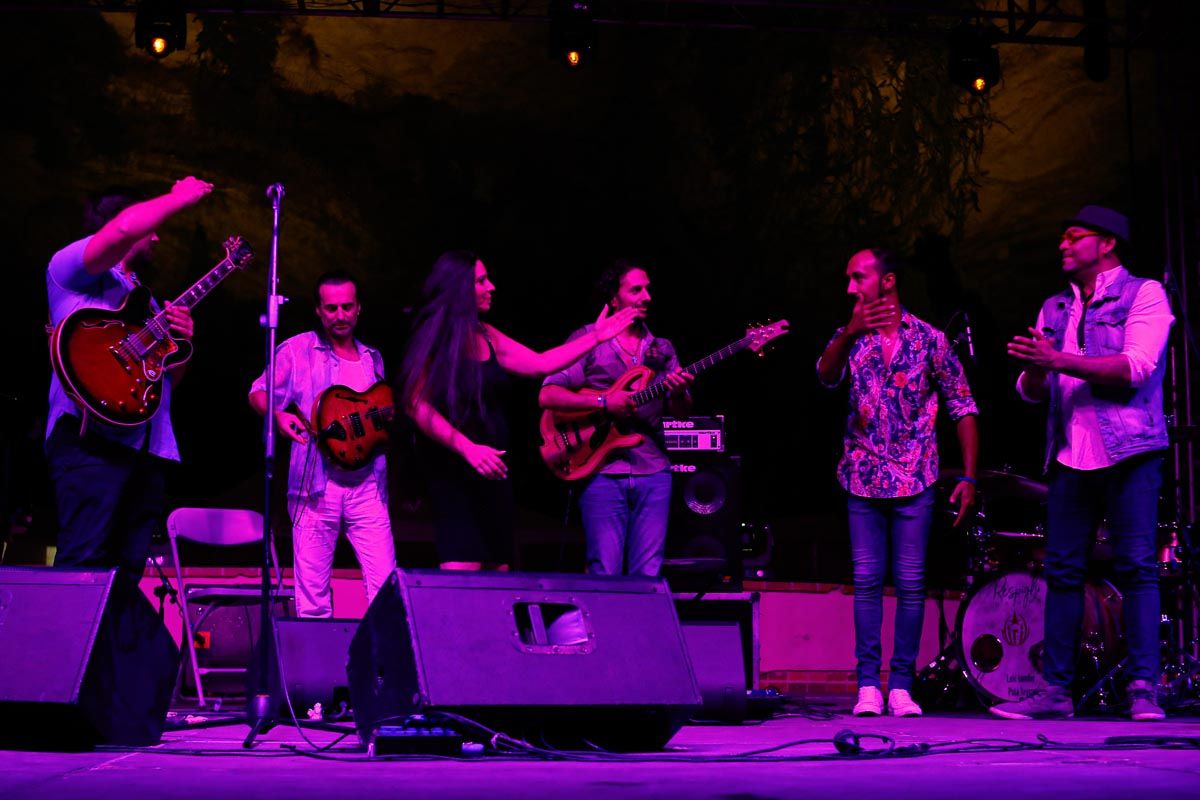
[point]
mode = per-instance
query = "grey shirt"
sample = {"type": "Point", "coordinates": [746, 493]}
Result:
{"type": "Point", "coordinates": [600, 369]}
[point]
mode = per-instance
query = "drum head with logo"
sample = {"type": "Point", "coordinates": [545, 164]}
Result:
{"type": "Point", "coordinates": [1002, 627]}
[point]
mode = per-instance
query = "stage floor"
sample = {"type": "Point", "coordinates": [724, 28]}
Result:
{"type": "Point", "coordinates": [207, 764]}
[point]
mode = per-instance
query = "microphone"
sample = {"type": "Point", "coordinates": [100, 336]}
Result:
{"type": "Point", "coordinates": [275, 192]}
{"type": "Point", "coordinates": [967, 336]}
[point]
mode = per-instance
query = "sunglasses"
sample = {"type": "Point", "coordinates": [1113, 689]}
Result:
{"type": "Point", "coordinates": [1072, 238]}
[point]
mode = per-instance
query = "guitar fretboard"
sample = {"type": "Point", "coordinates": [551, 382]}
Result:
{"type": "Point", "coordinates": [658, 388]}
{"type": "Point", "coordinates": [157, 328]}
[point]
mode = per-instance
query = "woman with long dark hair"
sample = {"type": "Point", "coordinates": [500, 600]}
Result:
{"type": "Point", "coordinates": [453, 383]}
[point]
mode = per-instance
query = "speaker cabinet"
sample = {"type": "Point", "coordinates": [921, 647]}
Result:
{"type": "Point", "coordinates": [559, 659]}
{"type": "Point", "coordinates": [311, 664]}
{"type": "Point", "coordinates": [85, 661]}
{"type": "Point", "coordinates": [704, 548]}
{"type": "Point", "coordinates": [716, 652]}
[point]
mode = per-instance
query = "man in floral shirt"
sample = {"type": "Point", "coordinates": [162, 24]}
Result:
{"type": "Point", "coordinates": [898, 366]}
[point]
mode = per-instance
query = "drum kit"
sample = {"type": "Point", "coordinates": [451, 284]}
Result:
{"type": "Point", "coordinates": [995, 651]}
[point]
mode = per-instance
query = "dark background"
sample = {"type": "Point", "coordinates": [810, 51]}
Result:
{"type": "Point", "coordinates": [742, 168]}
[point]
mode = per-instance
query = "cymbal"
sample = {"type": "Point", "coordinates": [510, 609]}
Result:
{"type": "Point", "coordinates": [995, 483]}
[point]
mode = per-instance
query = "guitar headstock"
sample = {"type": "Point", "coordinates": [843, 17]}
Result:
{"type": "Point", "coordinates": [238, 252]}
{"type": "Point", "coordinates": [762, 335]}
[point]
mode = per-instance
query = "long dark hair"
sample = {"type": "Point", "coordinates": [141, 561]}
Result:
{"type": "Point", "coordinates": [440, 366]}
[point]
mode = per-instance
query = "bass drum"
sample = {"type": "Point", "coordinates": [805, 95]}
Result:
{"type": "Point", "coordinates": [1001, 627]}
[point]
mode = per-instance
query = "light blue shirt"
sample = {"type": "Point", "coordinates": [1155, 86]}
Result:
{"type": "Point", "coordinates": [305, 366]}
{"type": "Point", "coordinates": [69, 287]}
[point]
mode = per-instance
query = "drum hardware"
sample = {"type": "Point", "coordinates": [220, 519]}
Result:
{"type": "Point", "coordinates": [1179, 680]}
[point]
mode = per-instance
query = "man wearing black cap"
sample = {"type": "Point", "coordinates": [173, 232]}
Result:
{"type": "Point", "coordinates": [1097, 355]}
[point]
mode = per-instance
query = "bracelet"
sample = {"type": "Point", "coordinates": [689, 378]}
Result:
{"type": "Point", "coordinates": [602, 401]}
{"type": "Point", "coordinates": [966, 479]}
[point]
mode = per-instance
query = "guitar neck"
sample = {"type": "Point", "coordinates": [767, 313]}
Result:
{"type": "Point", "coordinates": [658, 389]}
{"type": "Point", "coordinates": [198, 291]}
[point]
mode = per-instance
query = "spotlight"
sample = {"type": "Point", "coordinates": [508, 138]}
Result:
{"type": "Point", "coordinates": [572, 32]}
{"type": "Point", "coordinates": [974, 60]}
{"type": "Point", "coordinates": [160, 27]}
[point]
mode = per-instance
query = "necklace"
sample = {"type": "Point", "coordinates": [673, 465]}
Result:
{"type": "Point", "coordinates": [633, 355]}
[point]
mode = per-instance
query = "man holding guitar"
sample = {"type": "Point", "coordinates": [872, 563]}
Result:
{"type": "Point", "coordinates": [109, 480]}
{"type": "Point", "coordinates": [323, 495]}
{"type": "Point", "coordinates": [625, 505]}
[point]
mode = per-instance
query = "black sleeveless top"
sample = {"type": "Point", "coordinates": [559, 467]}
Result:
{"type": "Point", "coordinates": [487, 425]}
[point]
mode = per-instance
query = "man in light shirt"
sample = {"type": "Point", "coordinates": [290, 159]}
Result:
{"type": "Point", "coordinates": [325, 499]}
{"type": "Point", "coordinates": [1096, 355]}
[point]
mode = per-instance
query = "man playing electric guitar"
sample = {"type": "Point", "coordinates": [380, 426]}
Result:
{"type": "Point", "coordinates": [625, 505]}
{"type": "Point", "coordinates": [322, 496]}
{"type": "Point", "coordinates": [109, 481]}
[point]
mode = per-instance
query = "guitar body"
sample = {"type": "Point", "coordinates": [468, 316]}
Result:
{"type": "Point", "coordinates": [575, 444]}
{"type": "Point", "coordinates": [108, 366]}
{"type": "Point", "coordinates": [351, 426]}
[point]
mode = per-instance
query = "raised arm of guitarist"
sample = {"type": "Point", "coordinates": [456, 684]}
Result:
{"type": "Point", "coordinates": [134, 228]}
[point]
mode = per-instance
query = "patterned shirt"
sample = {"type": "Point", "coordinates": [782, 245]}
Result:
{"type": "Point", "coordinates": [890, 442]}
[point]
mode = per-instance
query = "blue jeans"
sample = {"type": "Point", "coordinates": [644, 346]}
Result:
{"type": "Point", "coordinates": [1126, 494]}
{"type": "Point", "coordinates": [110, 500]}
{"type": "Point", "coordinates": [905, 522]}
{"type": "Point", "coordinates": [625, 520]}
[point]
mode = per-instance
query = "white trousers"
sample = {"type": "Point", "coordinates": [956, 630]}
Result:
{"type": "Point", "coordinates": [361, 511]}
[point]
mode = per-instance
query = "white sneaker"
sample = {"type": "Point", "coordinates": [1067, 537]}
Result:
{"type": "Point", "coordinates": [901, 704]}
{"type": "Point", "coordinates": [870, 702]}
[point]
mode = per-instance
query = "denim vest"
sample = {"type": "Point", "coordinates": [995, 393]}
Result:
{"type": "Point", "coordinates": [1131, 419]}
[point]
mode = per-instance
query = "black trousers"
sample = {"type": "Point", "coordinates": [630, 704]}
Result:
{"type": "Point", "coordinates": [110, 500]}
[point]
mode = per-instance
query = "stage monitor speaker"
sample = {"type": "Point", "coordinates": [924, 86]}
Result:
{"type": "Point", "coordinates": [704, 546]}
{"type": "Point", "coordinates": [559, 660]}
{"type": "Point", "coordinates": [85, 661]}
{"type": "Point", "coordinates": [311, 664]}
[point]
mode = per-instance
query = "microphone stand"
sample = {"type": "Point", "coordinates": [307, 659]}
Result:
{"type": "Point", "coordinates": [258, 708]}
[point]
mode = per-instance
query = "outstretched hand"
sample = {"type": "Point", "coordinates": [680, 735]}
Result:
{"type": "Point", "coordinates": [191, 190]}
{"type": "Point", "coordinates": [609, 326]}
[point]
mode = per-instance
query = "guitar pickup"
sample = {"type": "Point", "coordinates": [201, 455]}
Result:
{"type": "Point", "coordinates": [356, 424]}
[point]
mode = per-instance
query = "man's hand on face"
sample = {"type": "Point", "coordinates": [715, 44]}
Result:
{"type": "Point", "coordinates": [869, 316]}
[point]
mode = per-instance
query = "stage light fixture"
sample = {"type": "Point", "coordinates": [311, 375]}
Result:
{"type": "Point", "coordinates": [974, 59]}
{"type": "Point", "coordinates": [572, 35]}
{"type": "Point", "coordinates": [160, 27]}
